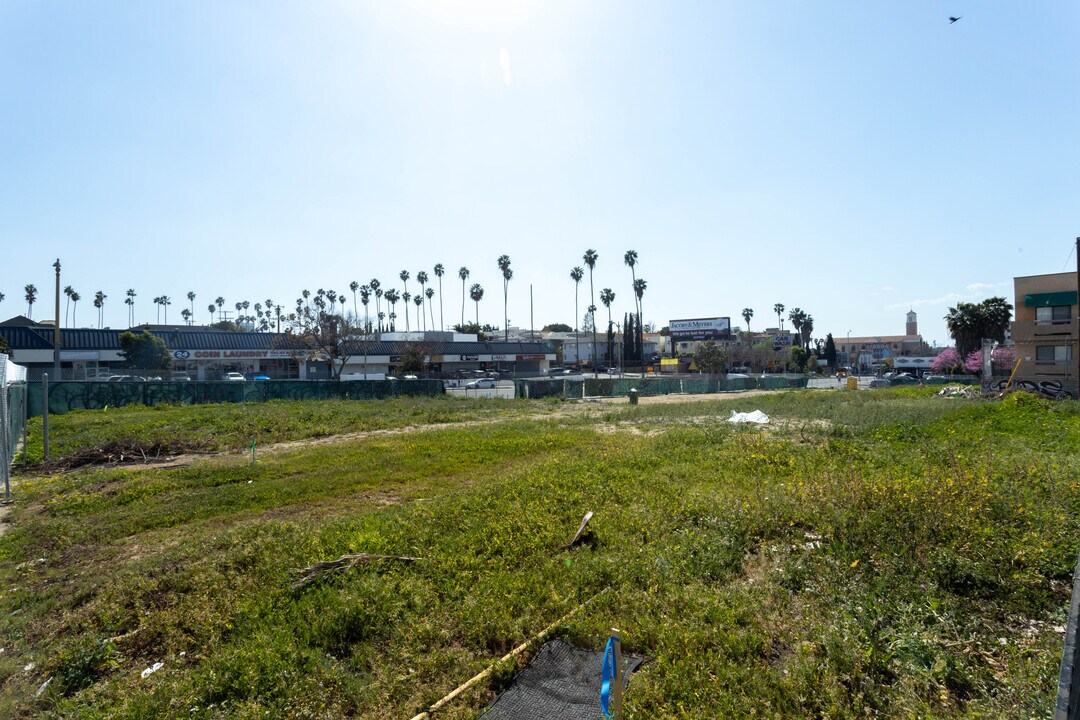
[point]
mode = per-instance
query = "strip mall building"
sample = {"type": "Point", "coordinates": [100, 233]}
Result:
{"type": "Point", "coordinates": [90, 354]}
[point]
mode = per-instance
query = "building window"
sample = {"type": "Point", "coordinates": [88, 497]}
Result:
{"type": "Point", "coordinates": [1052, 355]}
{"type": "Point", "coordinates": [1053, 315]}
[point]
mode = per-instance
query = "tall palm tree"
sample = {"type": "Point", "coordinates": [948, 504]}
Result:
{"type": "Point", "coordinates": [796, 315]}
{"type": "Point", "coordinates": [747, 313]}
{"type": "Point", "coordinates": [418, 300]}
{"type": "Point", "coordinates": [211, 308]}
{"type": "Point", "coordinates": [376, 288]}
{"type": "Point", "coordinates": [639, 292]}
{"type": "Point", "coordinates": [422, 278]}
{"type": "Point", "coordinates": [130, 302]}
{"type": "Point", "coordinates": [590, 258]}
{"type": "Point", "coordinates": [99, 303]}
{"type": "Point", "coordinates": [67, 305]}
{"type": "Point", "coordinates": [430, 293]}
{"type": "Point", "coordinates": [807, 329]}
{"type": "Point", "coordinates": [630, 259]}
{"type": "Point", "coordinates": [439, 272]}
{"type": "Point", "coordinates": [607, 296]}
{"type": "Point", "coordinates": [463, 273]}
{"type": "Point", "coordinates": [186, 314]}
{"type": "Point", "coordinates": [406, 297]}
{"type": "Point", "coordinates": [778, 308]}
{"type": "Point", "coordinates": [392, 297]}
{"type": "Point", "coordinates": [365, 300]}
{"type": "Point", "coordinates": [576, 275]}
{"type": "Point", "coordinates": [476, 294]}
{"type": "Point", "coordinates": [332, 297]}
{"type": "Point", "coordinates": [305, 293]}
{"type": "Point", "coordinates": [75, 298]}
{"type": "Point", "coordinates": [354, 286]}
{"type": "Point", "coordinates": [220, 302]}
{"type": "Point", "coordinates": [508, 274]}
{"type": "Point", "coordinates": [404, 277]}
{"type": "Point", "coordinates": [191, 299]}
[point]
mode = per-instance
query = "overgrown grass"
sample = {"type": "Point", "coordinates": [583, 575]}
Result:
{"type": "Point", "coordinates": [232, 426]}
{"type": "Point", "coordinates": [895, 556]}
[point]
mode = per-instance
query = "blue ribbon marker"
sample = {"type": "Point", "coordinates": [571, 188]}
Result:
{"type": "Point", "coordinates": [607, 674]}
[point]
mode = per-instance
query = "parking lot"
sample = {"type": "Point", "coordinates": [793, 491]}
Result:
{"type": "Point", "coordinates": [503, 389]}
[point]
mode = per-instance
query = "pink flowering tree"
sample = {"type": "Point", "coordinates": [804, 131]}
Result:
{"type": "Point", "coordinates": [1002, 360]}
{"type": "Point", "coordinates": [973, 362]}
{"type": "Point", "coordinates": [945, 361]}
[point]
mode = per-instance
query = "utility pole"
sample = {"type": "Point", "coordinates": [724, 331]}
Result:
{"type": "Point", "coordinates": [56, 327]}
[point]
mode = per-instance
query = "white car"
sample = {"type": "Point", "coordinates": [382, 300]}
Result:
{"type": "Point", "coordinates": [234, 377]}
{"type": "Point", "coordinates": [481, 384]}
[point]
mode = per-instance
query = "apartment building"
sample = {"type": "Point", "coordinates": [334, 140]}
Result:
{"type": "Point", "coordinates": [1045, 328]}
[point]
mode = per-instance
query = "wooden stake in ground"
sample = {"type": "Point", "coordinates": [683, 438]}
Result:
{"type": "Point", "coordinates": [581, 530]}
{"type": "Point", "coordinates": [611, 677]}
{"type": "Point", "coordinates": [513, 653]}
{"type": "Point", "coordinates": [324, 568]}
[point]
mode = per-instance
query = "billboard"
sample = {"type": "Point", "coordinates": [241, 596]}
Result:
{"type": "Point", "coordinates": [700, 328]}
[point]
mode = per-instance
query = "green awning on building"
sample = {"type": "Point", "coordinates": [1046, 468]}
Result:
{"type": "Point", "coordinates": [1050, 299]}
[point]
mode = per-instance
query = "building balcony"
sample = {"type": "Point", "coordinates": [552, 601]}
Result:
{"type": "Point", "coordinates": [1031, 332]}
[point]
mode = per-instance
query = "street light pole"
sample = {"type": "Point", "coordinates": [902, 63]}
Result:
{"type": "Point", "coordinates": [1076, 321]}
{"type": "Point", "coordinates": [56, 326]}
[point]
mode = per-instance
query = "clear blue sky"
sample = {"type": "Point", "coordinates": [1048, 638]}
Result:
{"type": "Point", "coordinates": [853, 159]}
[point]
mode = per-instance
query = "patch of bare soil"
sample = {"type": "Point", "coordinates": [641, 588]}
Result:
{"type": "Point", "coordinates": [675, 399]}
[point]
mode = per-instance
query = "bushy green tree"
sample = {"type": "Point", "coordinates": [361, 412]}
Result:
{"type": "Point", "coordinates": [558, 327]}
{"type": "Point", "coordinates": [830, 351]}
{"type": "Point", "coordinates": [144, 351]}
{"type": "Point", "coordinates": [969, 323]}
{"type": "Point", "coordinates": [710, 357]}
{"type": "Point", "coordinates": [412, 357]}
{"type": "Point", "coordinates": [798, 358]}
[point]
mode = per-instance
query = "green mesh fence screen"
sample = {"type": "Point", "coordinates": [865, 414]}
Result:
{"type": "Point", "coordinates": [604, 387]}
{"type": "Point", "coordinates": [67, 396]}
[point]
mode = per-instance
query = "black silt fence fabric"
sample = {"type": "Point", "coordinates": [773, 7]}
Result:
{"type": "Point", "coordinates": [562, 683]}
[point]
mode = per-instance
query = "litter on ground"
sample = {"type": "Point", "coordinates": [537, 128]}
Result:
{"type": "Point", "coordinates": [757, 417]}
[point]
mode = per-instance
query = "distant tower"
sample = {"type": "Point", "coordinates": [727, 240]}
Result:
{"type": "Point", "coordinates": [912, 324]}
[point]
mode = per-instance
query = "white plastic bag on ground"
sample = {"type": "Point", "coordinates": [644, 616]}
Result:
{"type": "Point", "coordinates": [757, 417]}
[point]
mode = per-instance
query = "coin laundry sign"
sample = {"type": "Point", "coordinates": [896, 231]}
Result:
{"type": "Point", "coordinates": [229, 354]}
{"type": "Point", "coordinates": [700, 328]}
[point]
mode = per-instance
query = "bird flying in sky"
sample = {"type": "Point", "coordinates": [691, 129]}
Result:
{"type": "Point", "coordinates": [954, 19]}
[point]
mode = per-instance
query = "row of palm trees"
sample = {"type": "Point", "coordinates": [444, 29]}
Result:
{"type": "Point", "coordinates": [269, 315]}
{"type": "Point", "coordinates": [607, 295]}
{"type": "Point", "coordinates": [802, 321]}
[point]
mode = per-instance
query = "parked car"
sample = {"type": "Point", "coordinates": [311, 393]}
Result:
{"type": "Point", "coordinates": [127, 378]}
{"type": "Point", "coordinates": [234, 377]}
{"type": "Point", "coordinates": [614, 371]}
{"type": "Point", "coordinates": [936, 378]}
{"type": "Point", "coordinates": [903, 379]}
{"type": "Point", "coordinates": [260, 378]}
{"type": "Point", "coordinates": [481, 384]}
{"type": "Point", "coordinates": [180, 376]}
{"type": "Point", "coordinates": [880, 383]}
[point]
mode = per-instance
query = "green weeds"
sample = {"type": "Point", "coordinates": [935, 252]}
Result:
{"type": "Point", "coordinates": [901, 556]}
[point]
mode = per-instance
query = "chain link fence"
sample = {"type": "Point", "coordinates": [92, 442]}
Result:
{"type": "Point", "coordinates": [12, 416]}
{"type": "Point", "coordinates": [67, 396]}
{"type": "Point", "coordinates": [613, 387]}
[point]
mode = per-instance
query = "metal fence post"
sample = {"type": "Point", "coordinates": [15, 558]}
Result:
{"type": "Point", "coordinates": [45, 413]}
{"type": "Point", "coordinates": [5, 430]}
